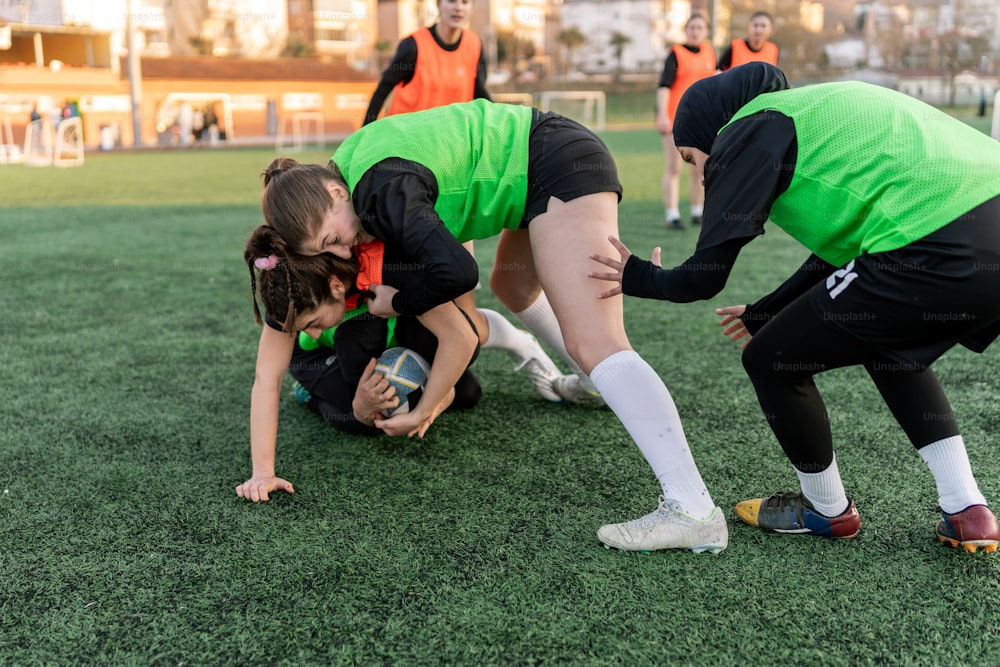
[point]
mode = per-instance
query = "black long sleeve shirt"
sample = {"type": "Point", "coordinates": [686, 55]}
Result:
{"type": "Point", "coordinates": [395, 203]}
{"type": "Point", "coordinates": [751, 164]}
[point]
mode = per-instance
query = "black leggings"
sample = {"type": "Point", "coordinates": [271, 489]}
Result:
{"type": "Point", "coordinates": [894, 313]}
{"type": "Point", "coordinates": [782, 360]}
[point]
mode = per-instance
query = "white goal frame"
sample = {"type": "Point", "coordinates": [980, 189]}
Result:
{"type": "Point", "coordinates": [594, 104]}
{"type": "Point", "coordinates": [996, 116]}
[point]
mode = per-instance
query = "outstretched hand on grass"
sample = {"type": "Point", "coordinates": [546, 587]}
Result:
{"type": "Point", "coordinates": [618, 266]}
{"type": "Point", "coordinates": [258, 487]}
{"type": "Point", "coordinates": [735, 329]}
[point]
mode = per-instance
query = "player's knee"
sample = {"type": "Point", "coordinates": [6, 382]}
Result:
{"type": "Point", "coordinates": [590, 351]}
{"type": "Point", "coordinates": [758, 362]}
{"type": "Point", "coordinates": [513, 291]}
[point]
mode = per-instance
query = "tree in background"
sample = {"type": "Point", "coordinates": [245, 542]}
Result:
{"type": "Point", "coordinates": [618, 42]}
{"type": "Point", "coordinates": [571, 39]}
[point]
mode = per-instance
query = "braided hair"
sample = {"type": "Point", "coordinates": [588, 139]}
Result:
{"type": "Point", "coordinates": [288, 283]}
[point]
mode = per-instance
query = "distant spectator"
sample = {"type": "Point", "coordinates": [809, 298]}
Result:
{"type": "Point", "coordinates": [198, 124]}
{"type": "Point", "coordinates": [435, 66]}
{"type": "Point", "coordinates": [686, 63]}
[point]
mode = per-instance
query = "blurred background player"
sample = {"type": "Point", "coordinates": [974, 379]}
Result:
{"type": "Point", "coordinates": [437, 65]}
{"type": "Point", "coordinates": [754, 47]}
{"type": "Point", "coordinates": [686, 63]}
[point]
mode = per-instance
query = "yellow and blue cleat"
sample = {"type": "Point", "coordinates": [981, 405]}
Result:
{"type": "Point", "coordinates": [791, 513]}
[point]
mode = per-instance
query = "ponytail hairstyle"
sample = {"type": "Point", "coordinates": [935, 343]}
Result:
{"type": "Point", "coordinates": [296, 200]}
{"type": "Point", "coordinates": [288, 283]}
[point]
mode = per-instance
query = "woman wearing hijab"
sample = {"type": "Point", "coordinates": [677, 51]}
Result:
{"type": "Point", "coordinates": [900, 206]}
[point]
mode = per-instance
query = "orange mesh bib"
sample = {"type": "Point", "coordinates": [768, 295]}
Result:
{"type": "Point", "coordinates": [691, 67]}
{"type": "Point", "coordinates": [743, 55]}
{"type": "Point", "coordinates": [440, 77]}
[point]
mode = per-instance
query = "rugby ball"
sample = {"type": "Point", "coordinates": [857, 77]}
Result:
{"type": "Point", "coordinates": [406, 371]}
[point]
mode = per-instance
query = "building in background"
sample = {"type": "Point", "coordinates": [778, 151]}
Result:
{"type": "Point", "coordinates": [245, 28]}
{"type": "Point", "coordinates": [624, 35]}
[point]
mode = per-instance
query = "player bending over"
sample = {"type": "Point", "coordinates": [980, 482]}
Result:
{"type": "Point", "coordinates": [900, 206]}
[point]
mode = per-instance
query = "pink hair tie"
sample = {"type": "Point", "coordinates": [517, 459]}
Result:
{"type": "Point", "coordinates": [266, 263]}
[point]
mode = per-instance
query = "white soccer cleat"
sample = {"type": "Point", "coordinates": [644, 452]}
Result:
{"type": "Point", "coordinates": [540, 368]}
{"type": "Point", "coordinates": [577, 389]}
{"type": "Point", "coordinates": [668, 527]}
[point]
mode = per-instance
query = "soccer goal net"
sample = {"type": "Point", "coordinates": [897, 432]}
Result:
{"type": "Point", "coordinates": [584, 106]}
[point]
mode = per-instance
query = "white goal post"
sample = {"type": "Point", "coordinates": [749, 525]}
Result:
{"type": "Point", "coordinates": [594, 103]}
{"type": "Point", "coordinates": [996, 116]}
{"type": "Point", "coordinates": [524, 99]}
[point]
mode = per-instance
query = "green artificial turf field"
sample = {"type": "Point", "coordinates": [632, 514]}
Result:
{"type": "Point", "coordinates": [127, 360]}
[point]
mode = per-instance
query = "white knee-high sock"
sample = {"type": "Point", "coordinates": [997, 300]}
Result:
{"type": "Point", "coordinates": [949, 463]}
{"type": "Point", "coordinates": [638, 397]}
{"type": "Point", "coordinates": [540, 319]}
{"type": "Point", "coordinates": [503, 335]}
{"type": "Point", "coordinates": [824, 490]}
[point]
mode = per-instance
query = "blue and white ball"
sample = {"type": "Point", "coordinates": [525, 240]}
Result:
{"type": "Point", "coordinates": [406, 371]}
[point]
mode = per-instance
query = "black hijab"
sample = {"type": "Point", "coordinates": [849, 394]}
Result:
{"type": "Point", "coordinates": [710, 103]}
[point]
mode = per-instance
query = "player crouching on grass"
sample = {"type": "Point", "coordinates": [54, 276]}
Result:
{"type": "Point", "coordinates": [900, 206]}
{"type": "Point", "coordinates": [333, 355]}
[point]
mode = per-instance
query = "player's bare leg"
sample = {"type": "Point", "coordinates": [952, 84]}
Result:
{"type": "Point", "coordinates": [671, 182]}
{"type": "Point", "coordinates": [495, 332]}
{"type": "Point", "coordinates": [515, 282]}
{"type": "Point", "coordinates": [562, 240]}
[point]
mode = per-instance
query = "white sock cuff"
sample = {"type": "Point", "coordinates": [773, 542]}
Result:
{"type": "Point", "coordinates": [500, 335]}
{"type": "Point", "coordinates": [824, 489]}
{"type": "Point", "coordinates": [610, 367]}
{"type": "Point", "coordinates": [539, 304]}
{"type": "Point", "coordinates": [945, 449]}
{"type": "Point", "coordinates": [948, 461]}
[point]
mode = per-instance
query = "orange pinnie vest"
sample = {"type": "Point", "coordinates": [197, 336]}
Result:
{"type": "Point", "coordinates": [440, 77]}
{"type": "Point", "coordinates": [691, 67]}
{"type": "Point", "coordinates": [370, 257]}
{"type": "Point", "coordinates": [741, 53]}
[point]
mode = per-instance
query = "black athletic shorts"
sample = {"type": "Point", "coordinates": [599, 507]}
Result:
{"type": "Point", "coordinates": [565, 161]}
{"type": "Point", "coordinates": [914, 303]}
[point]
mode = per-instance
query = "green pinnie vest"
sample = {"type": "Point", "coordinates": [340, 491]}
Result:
{"type": "Point", "coordinates": [876, 169]}
{"type": "Point", "coordinates": [326, 337]}
{"type": "Point", "coordinates": [477, 151]}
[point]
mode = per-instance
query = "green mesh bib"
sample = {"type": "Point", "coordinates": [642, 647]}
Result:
{"type": "Point", "coordinates": [894, 172]}
{"type": "Point", "coordinates": [326, 338]}
{"type": "Point", "coordinates": [477, 151]}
